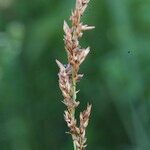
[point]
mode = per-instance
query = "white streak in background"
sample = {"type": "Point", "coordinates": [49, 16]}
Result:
{"type": "Point", "coordinates": [4, 4]}
{"type": "Point", "coordinates": [11, 42]}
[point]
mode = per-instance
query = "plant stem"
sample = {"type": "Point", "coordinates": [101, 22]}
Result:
{"type": "Point", "coordinates": [74, 99]}
{"type": "Point", "coordinates": [74, 145]}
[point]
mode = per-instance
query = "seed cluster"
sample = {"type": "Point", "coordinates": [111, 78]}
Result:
{"type": "Point", "coordinates": [69, 76]}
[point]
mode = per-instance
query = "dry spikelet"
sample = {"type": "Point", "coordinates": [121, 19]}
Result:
{"type": "Point", "coordinates": [69, 76]}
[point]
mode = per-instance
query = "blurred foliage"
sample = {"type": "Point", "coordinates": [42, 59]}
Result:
{"type": "Point", "coordinates": [116, 81]}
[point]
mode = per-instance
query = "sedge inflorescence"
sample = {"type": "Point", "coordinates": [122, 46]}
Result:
{"type": "Point", "coordinates": [69, 74]}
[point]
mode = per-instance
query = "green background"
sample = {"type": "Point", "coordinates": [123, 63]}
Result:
{"type": "Point", "coordinates": [116, 74]}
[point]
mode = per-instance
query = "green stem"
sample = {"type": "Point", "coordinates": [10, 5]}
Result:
{"type": "Point", "coordinates": [74, 98]}
{"type": "Point", "coordinates": [74, 145]}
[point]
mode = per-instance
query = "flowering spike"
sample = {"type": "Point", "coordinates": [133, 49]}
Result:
{"type": "Point", "coordinates": [69, 74]}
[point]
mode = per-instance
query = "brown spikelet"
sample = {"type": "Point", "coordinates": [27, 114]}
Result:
{"type": "Point", "coordinates": [84, 120]}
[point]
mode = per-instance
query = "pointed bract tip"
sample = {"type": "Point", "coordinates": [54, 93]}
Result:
{"type": "Point", "coordinates": [60, 65]}
{"type": "Point", "coordinates": [87, 50]}
{"type": "Point", "coordinates": [65, 26]}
